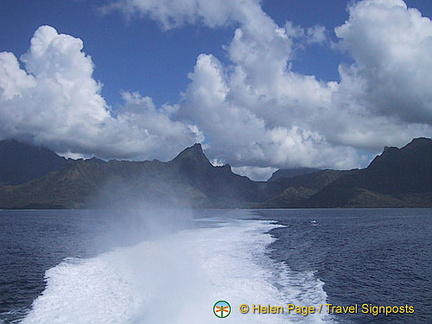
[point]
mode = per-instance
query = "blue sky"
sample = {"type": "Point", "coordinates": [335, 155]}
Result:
{"type": "Point", "coordinates": [263, 84]}
{"type": "Point", "coordinates": [148, 53]}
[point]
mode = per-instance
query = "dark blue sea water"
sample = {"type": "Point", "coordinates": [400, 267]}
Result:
{"type": "Point", "coordinates": [138, 267]}
{"type": "Point", "coordinates": [363, 256]}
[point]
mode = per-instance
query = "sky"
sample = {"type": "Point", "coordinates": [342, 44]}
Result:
{"type": "Point", "coordinates": [263, 85]}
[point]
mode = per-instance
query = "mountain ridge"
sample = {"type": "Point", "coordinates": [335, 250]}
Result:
{"type": "Point", "coordinates": [396, 178]}
{"type": "Point", "coordinates": [20, 162]}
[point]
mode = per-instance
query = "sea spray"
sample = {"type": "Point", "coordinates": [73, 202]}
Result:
{"type": "Point", "coordinates": [175, 278]}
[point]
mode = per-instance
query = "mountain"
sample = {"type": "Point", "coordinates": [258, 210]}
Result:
{"type": "Point", "coordinates": [291, 173]}
{"type": "Point", "coordinates": [396, 178]}
{"type": "Point", "coordinates": [189, 179]}
{"type": "Point", "coordinates": [20, 163]}
{"type": "Point", "coordinates": [219, 184]}
{"type": "Point", "coordinates": [293, 192]}
{"type": "Point", "coordinates": [38, 178]}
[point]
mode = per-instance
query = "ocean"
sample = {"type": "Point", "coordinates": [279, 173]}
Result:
{"type": "Point", "coordinates": [152, 265]}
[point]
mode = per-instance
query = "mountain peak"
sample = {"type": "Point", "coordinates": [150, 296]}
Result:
{"type": "Point", "coordinates": [193, 154]}
{"type": "Point", "coordinates": [20, 162]}
{"type": "Point", "coordinates": [420, 143]}
{"type": "Point", "coordinates": [418, 151]}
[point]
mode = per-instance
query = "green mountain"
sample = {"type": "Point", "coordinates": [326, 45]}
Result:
{"type": "Point", "coordinates": [188, 180]}
{"type": "Point", "coordinates": [396, 178]}
{"type": "Point", "coordinates": [291, 173]}
{"type": "Point", "coordinates": [293, 192]}
{"type": "Point", "coordinates": [219, 184]}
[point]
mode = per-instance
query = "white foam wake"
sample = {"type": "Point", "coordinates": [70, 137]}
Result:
{"type": "Point", "coordinates": [177, 279]}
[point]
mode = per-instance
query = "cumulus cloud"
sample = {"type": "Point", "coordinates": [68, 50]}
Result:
{"type": "Point", "coordinates": [263, 129]}
{"type": "Point", "coordinates": [253, 111]}
{"type": "Point", "coordinates": [256, 110]}
{"type": "Point", "coordinates": [266, 114]}
{"type": "Point", "coordinates": [392, 48]}
{"type": "Point", "coordinates": [55, 102]}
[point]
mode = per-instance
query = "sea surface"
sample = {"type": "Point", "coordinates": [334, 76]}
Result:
{"type": "Point", "coordinates": [152, 265]}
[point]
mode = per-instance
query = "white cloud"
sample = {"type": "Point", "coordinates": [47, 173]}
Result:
{"type": "Point", "coordinates": [12, 79]}
{"type": "Point", "coordinates": [252, 110]}
{"type": "Point", "coordinates": [250, 124]}
{"type": "Point", "coordinates": [265, 114]}
{"type": "Point", "coordinates": [174, 13]}
{"type": "Point", "coordinates": [55, 102]}
{"type": "Point", "coordinates": [255, 112]}
{"type": "Point", "coordinates": [392, 47]}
